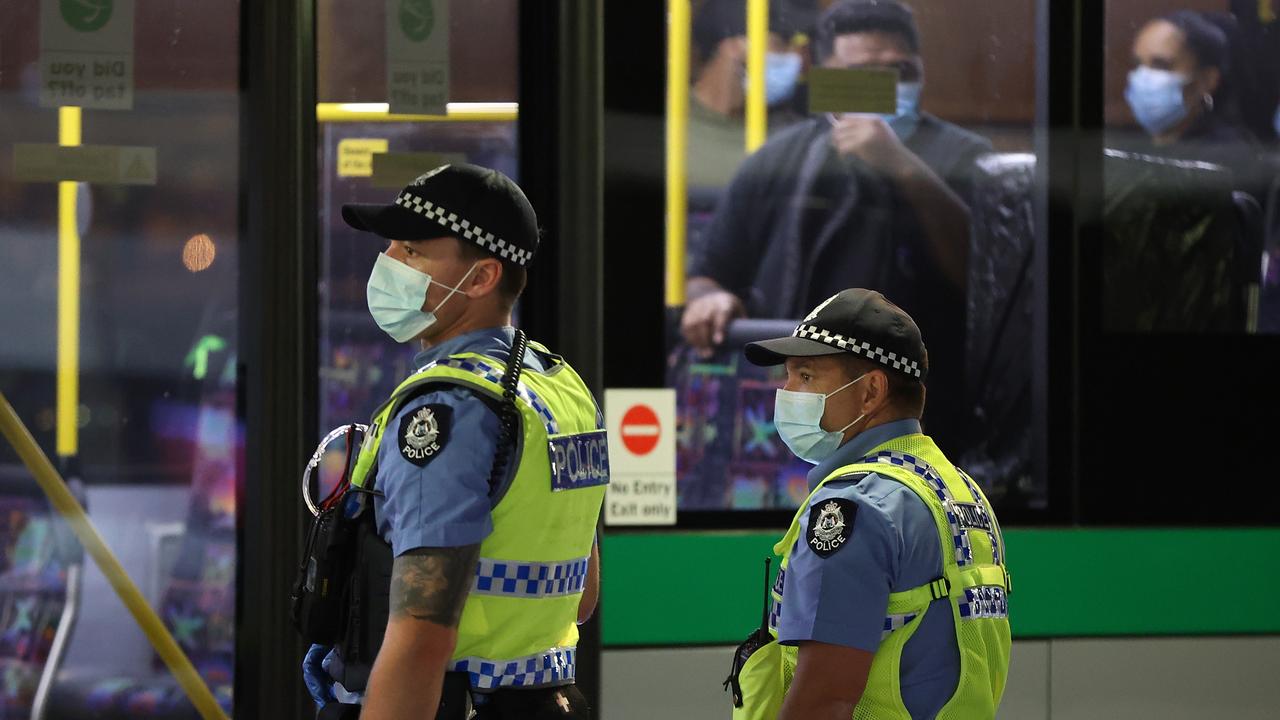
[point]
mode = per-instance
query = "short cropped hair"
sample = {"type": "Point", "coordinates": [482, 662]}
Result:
{"type": "Point", "coordinates": [848, 17]}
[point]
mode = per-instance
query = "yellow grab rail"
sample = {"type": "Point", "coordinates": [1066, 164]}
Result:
{"type": "Point", "coordinates": [65, 503]}
{"type": "Point", "coordinates": [381, 112]}
{"type": "Point", "coordinates": [68, 392]}
{"type": "Point", "coordinates": [757, 47]}
{"type": "Point", "coordinates": [678, 31]}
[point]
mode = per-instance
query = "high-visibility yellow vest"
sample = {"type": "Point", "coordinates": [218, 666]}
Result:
{"type": "Point", "coordinates": [519, 625]}
{"type": "Point", "coordinates": [973, 578]}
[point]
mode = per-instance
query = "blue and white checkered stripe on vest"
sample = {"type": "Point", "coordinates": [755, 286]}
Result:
{"type": "Point", "coordinates": [531, 580]}
{"type": "Point", "coordinates": [896, 622]}
{"type": "Point", "coordinates": [494, 374]}
{"type": "Point", "coordinates": [556, 666]}
{"type": "Point", "coordinates": [959, 537]}
{"type": "Point", "coordinates": [996, 541]}
{"type": "Point", "coordinates": [984, 601]}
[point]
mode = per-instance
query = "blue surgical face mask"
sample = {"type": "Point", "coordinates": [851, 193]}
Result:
{"type": "Point", "coordinates": [781, 72]}
{"type": "Point", "coordinates": [798, 417]}
{"type": "Point", "coordinates": [396, 293]}
{"type": "Point", "coordinates": [1155, 96]}
{"type": "Point", "coordinates": [907, 118]}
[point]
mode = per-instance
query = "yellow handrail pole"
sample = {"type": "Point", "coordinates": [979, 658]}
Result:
{"type": "Point", "coordinates": [757, 47]}
{"type": "Point", "coordinates": [68, 392]}
{"type": "Point", "coordinates": [379, 112]}
{"type": "Point", "coordinates": [65, 503]}
{"type": "Point", "coordinates": [678, 32]}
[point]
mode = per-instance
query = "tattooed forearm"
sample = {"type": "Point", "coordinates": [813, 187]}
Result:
{"type": "Point", "coordinates": [432, 583]}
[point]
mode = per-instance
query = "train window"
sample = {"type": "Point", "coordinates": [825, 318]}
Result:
{"type": "Point", "coordinates": [369, 150]}
{"type": "Point", "coordinates": [927, 197]}
{"type": "Point", "coordinates": [119, 282]}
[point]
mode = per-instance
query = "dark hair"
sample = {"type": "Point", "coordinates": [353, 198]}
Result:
{"type": "Point", "coordinates": [906, 393]}
{"type": "Point", "coordinates": [514, 277]}
{"type": "Point", "coordinates": [716, 20]}
{"type": "Point", "coordinates": [861, 16]}
{"type": "Point", "coordinates": [1205, 39]}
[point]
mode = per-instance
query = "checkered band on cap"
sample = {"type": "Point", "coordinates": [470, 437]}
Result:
{"type": "Point", "coordinates": [465, 228]}
{"type": "Point", "coordinates": [858, 347]}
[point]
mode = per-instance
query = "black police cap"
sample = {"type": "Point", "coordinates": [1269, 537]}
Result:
{"type": "Point", "coordinates": [857, 321]}
{"type": "Point", "coordinates": [469, 202]}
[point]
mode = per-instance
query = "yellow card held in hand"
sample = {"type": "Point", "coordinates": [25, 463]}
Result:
{"type": "Point", "coordinates": [853, 90]}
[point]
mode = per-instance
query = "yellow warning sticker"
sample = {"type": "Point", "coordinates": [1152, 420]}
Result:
{"type": "Point", "coordinates": [395, 170]}
{"type": "Point", "coordinates": [853, 90]}
{"type": "Point", "coordinates": [355, 156]}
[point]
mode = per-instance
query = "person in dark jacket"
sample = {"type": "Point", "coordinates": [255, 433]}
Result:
{"type": "Point", "coordinates": [856, 200]}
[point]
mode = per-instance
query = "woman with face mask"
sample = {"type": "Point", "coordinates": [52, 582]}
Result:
{"type": "Point", "coordinates": [1179, 90]}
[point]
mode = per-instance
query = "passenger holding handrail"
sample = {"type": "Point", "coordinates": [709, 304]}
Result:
{"type": "Point", "coordinates": [859, 200]}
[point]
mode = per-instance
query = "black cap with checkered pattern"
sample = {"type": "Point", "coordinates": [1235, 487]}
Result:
{"type": "Point", "coordinates": [858, 321]}
{"type": "Point", "coordinates": [472, 203]}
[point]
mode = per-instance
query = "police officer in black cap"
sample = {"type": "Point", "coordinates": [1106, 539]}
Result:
{"type": "Point", "coordinates": [894, 552]}
{"type": "Point", "coordinates": [477, 559]}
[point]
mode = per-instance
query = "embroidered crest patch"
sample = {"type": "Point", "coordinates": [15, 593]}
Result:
{"type": "Point", "coordinates": [830, 525]}
{"type": "Point", "coordinates": [423, 433]}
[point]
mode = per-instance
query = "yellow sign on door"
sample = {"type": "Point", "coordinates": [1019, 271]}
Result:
{"type": "Point", "coordinates": [355, 156]}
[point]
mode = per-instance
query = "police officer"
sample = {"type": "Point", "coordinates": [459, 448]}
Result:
{"type": "Point", "coordinates": [495, 563]}
{"type": "Point", "coordinates": [891, 598]}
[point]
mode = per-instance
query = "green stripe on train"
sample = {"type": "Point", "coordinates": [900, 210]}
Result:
{"type": "Point", "coordinates": [686, 588]}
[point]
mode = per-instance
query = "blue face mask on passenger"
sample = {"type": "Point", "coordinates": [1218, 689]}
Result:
{"type": "Point", "coordinates": [1155, 96]}
{"type": "Point", "coordinates": [781, 73]}
{"type": "Point", "coordinates": [907, 117]}
{"type": "Point", "coordinates": [798, 418]}
{"type": "Point", "coordinates": [396, 293]}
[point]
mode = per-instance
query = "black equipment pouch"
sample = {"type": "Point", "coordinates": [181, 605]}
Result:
{"type": "Point", "coordinates": [455, 697]}
{"type": "Point", "coordinates": [756, 640]}
{"type": "Point", "coordinates": [368, 605]}
{"type": "Point", "coordinates": [322, 579]}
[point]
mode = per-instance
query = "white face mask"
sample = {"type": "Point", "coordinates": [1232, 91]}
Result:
{"type": "Point", "coordinates": [396, 293]}
{"type": "Point", "coordinates": [798, 418]}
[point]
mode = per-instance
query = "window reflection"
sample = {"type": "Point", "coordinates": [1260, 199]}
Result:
{"type": "Point", "coordinates": [930, 204]}
{"type": "Point", "coordinates": [159, 444]}
{"type": "Point", "coordinates": [1189, 175]}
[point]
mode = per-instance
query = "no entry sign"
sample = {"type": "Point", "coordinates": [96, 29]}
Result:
{"type": "Point", "coordinates": [640, 429]}
{"type": "Point", "coordinates": [642, 457]}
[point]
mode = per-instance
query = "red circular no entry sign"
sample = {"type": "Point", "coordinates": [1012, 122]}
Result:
{"type": "Point", "coordinates": [640, 429]}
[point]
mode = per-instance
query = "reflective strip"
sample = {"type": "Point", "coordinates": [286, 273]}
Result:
{"type": "Point", "coordinates": [775, 611]}
{"type": "Point", "coordinates": [959, 537]}
{"type": "Point", "coordinates": [532, 580]}
{"type": "Point", "coordinates": [984, 601]}
{"type": "Point", "coordinates": [896, 622]}
{"type": "Point", "coordinates": [991, 530]}
{"type": "Point", "coordinates": [494, 374]}
{"type": "Point", "coordinates": [556, 666]}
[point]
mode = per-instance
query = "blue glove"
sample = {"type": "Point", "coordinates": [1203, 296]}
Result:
{"type": "Point", "coordinates": [319, 684]}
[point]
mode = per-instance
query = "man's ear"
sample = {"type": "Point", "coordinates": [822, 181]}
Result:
{"type": "Point", "coordinates": [485, 278]}
{"type": "Point", "coordinates": [877, 391]}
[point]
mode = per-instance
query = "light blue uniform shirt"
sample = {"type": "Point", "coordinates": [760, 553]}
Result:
{"type": "Point", "coordinates": [842, 599]}
{"type": "Point", "coordinates": [447, 501]}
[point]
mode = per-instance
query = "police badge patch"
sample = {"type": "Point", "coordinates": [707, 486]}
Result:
{"type": "Point", "coordinates": [830, 525]}
{"type": "Point", "coordinates": [423, 433]}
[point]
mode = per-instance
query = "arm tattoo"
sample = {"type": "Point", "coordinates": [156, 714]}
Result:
{"type": "Point", "coordinates": [432, 583]}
